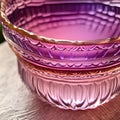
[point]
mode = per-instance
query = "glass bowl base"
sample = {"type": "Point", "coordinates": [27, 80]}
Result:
{"type": "Point", "coordinates": [65, 93]}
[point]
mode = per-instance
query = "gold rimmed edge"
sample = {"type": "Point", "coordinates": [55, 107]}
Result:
{"type": "Point", "coordinates": [6, 22]}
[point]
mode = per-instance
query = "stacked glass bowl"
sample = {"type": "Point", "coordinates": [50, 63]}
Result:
{"type": "Point", "coordinates": [68, 51]}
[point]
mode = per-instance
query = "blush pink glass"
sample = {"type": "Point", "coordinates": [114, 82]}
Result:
{"type": "Point", "coordinates": [68, 51]}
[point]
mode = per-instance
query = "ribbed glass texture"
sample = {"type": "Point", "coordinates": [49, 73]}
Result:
{"type": "Point", "coordinates": [86, 21]}
{"type": "Point", "coordinates": [71, 90]}
{"type": "Point", "coordinates": [67, 50]}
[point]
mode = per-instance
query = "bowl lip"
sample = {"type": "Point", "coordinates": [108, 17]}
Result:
{"type": "Point", "coordinates": [4, 20]}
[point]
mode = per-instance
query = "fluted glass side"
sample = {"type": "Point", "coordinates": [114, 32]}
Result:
{"type": "Point", "coordinates": [70, 90]}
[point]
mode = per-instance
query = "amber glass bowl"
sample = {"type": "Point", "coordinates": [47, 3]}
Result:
{"type": "Point", "coordinates": [68, 51]}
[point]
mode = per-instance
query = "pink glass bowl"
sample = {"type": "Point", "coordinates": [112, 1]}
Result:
{"type": "Point", "coordinates": [68, 51]}
{"type": "Point", "coordinates": [71, 90]}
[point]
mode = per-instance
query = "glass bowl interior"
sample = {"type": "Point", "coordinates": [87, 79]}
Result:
{"type": "Point", "coordinates": [64, 22]}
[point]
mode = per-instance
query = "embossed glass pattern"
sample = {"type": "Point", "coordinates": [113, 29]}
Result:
{"type": "Point", "coordinates": [68, 51]}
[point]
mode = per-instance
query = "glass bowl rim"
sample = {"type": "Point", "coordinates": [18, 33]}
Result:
{"type": "Point", "coordinates": [21, 31]}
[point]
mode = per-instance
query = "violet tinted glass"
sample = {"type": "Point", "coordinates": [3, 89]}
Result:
{"type": "Point", "coordinates": [72, 21]}
{"type": "Point", "coordinates": [79, 76]}
{"type": "Point", "coordinates": [86, 21]}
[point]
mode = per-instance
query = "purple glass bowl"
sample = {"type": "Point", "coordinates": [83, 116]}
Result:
{"type": "Point", "coordinates": [68, 38]}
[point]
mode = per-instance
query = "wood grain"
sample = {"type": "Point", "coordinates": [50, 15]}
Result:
{"type": "Point", "coordinates": [18, 103]}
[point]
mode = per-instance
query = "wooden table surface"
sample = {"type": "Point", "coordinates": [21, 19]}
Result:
{"type": "Point", "coordinates": [18, 103]}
